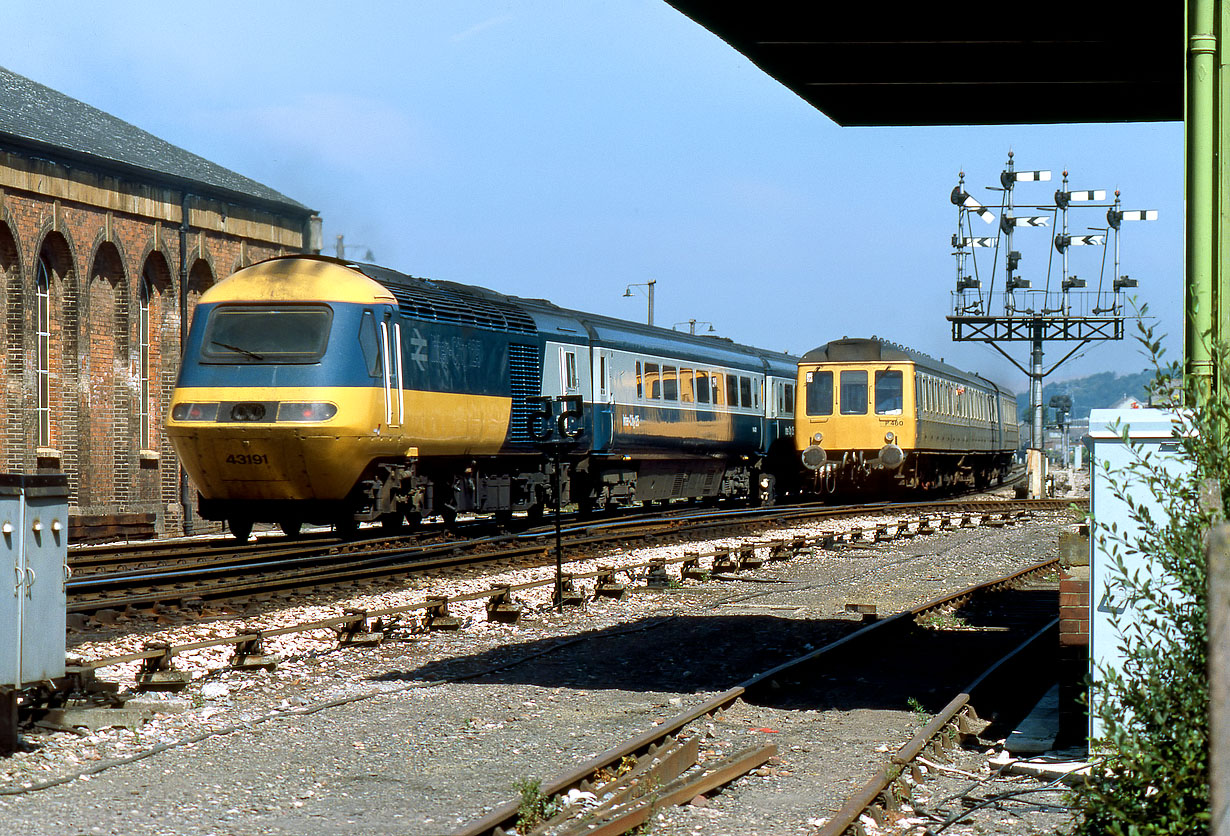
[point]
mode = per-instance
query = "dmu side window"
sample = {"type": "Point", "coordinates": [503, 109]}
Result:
{"type": "Point", "coordinates": [854, 392]}
{"type": "Point", "coordinates": [745, 391]}
{"type": "Point", "coordinates": [819, 393]}
{"type": "Point", "coordinates": [640, 386]}
{"type": "Point", "coordinates": [788, 399]}
{"type": "Point", "coordinates": [889, 392]}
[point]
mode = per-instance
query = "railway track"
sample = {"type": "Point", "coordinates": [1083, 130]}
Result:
{"type": "Point", "coordinates": [186, 580]}
{"type": "Point", "coordinates": [622, 788]}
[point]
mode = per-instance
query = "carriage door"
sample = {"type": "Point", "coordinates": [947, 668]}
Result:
{"type": "Point", "coordinates": [391, 371]}
{"type": "Point", "coordinates": [604, 399]}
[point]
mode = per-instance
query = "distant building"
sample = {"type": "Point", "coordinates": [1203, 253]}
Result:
{"type": "Point", "coordinates": [108, 236]}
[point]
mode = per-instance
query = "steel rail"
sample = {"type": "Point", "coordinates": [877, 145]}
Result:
{"type": "Point", "coordinates": [351, 565]}
{"type": "Point", "coordinates": [503, 818]}
{"type": "Point", "coordinates": [879, 784]}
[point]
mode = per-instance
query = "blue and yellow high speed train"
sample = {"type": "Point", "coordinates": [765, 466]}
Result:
{"type": "Point", "coordinates": [876, 414]}
{"type": "Point", "coordinates": [319, 390]}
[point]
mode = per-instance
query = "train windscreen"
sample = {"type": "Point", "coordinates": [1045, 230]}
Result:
{"type": "Point", "coordinates": [267, 334]}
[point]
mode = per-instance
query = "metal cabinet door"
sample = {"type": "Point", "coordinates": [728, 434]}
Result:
{"type": "Point", "coordinates": [12, 584]}
{"type": "Point", "coordinates": [46, 553]}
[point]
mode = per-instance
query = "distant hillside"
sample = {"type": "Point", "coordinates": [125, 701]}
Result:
{"type": "Point", "coordinates": [1097, 391]}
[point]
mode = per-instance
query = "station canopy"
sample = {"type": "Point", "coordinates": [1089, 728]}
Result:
{"type": "Point", "coordinates": [867, 63]}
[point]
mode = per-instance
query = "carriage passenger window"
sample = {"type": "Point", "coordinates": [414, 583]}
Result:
{"type": "Point", "coordinates": [889, 392]}
{"type": "Point", "coordinates": [670, 384]}
{"type": "Point", "coordinates": [652, 390]}
{"type": "Point", "coordinates": [702, 387]}
{"type": "Point", "coordinates": [640, 387]}
{"type": "Point", "coordinates": [853, 393]}
{"type": "Point", "coordinates": [745, 391]}
{"type": "Point", "coordinates": [685, 385]}
{"type": "Point", "coordinates": [819, 393]}
{"type": "Point", "coordinates": [787, 399]}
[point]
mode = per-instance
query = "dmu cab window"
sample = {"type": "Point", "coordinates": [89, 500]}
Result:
{"type": "Point", "coordinates": [819, 393]}
{"type": "Point", "coordinates": [854, 392]}
{"type": "Point", "coordinates": [888, 393]}
{"type": "Point", "coordinates": [267, 334]}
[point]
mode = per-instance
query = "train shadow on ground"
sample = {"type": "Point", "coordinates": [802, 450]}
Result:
{"type": "Point", "coordinates": [704, 654]}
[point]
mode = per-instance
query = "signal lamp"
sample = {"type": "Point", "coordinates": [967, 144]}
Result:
{"type": "Point", "coordinates": [1122, 282]}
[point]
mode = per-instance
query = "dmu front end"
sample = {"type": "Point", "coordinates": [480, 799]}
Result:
{"type": "Point", "coordinates": [874, 415]}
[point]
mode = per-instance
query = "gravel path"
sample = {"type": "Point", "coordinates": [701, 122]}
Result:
{"type": "Point", "coordinates": [427, 732]}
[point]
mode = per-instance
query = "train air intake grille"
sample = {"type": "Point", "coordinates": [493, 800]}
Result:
{"type": "Point", "coordinates": [439, 305]}
{"type": "Point", "coordinates": [525, 372]}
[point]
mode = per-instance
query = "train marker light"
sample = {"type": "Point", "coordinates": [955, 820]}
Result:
{"type": "Point", "coordinates": [195, 412]}
{"type": "Point", "coordinates": [288, 411]}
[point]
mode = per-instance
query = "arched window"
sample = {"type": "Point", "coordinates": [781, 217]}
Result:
{"type": "Point", "coordinates": [42, 283]}
{"type": "Point", "coordinates": [143, 362]}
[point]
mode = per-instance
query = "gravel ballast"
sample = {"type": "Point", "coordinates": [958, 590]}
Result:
{"type": "Point", "coordinates": [428, 731]}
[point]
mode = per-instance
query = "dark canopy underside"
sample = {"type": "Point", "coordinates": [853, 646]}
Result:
{"type": "Point", "coordinates": [868, 63]}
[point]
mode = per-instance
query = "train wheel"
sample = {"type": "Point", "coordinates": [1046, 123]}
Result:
{"type": "Point", "coordinates": [346, 527]}
{"type": "Point", "coordinates": [413, 520]}
{"type": "Point", "coordinates": [241, 529]}
{"type": "Point", "coordinates": [391, 523]}
{"type": "Point", "coordinates": [291, 528]}
{"type": "Point", "coordinates": [533, 514]}
{"type": "Point", "coordinates": [449, 515]}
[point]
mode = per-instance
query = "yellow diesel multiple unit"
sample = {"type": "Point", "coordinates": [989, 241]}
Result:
{"type": "Point", "coordinates": [875, 414]}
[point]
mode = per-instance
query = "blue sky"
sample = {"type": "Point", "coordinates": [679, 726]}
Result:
{"type": "Point", "coordinates": [565, 149]}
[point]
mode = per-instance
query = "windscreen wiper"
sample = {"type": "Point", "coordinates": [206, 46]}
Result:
{"type": "Point", "coordinates": [244, 351]}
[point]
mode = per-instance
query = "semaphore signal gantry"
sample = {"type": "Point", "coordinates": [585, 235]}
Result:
{"type": "Point", "coordinates": [1062, 308]}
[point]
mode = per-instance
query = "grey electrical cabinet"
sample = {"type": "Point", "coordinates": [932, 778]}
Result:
{"type": "Point", "coordinates": [33, 577]}
{"type": "Point", "coordinates": [1149, 432]}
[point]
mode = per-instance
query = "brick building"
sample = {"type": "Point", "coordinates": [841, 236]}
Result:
{"type": "Point", "coordinates": [108, 236]}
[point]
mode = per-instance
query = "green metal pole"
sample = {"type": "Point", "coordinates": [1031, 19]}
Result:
{"type": "Point", "coordinates": [1203, 175]}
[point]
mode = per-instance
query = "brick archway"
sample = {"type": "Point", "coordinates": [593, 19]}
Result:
{"type": "Point", "coordinates": [105, 403]}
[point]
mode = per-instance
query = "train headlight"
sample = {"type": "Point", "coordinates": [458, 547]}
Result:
{"type": "Point", "coordinates": [248, 412]}
{"type": "Point", "coordinates": [890, 437]}
{"type": "Point", "coordinates": [195, 412]}
{"type": "Point", "coordinates": [817, 438]}
{"type": "Point", "coordinates": [306, 412]}
{"type": "Point", "coordinates": [814, 457]}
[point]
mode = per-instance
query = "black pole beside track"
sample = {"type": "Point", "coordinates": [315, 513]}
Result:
{"type": "Point", "coordinates": [557, 431]}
